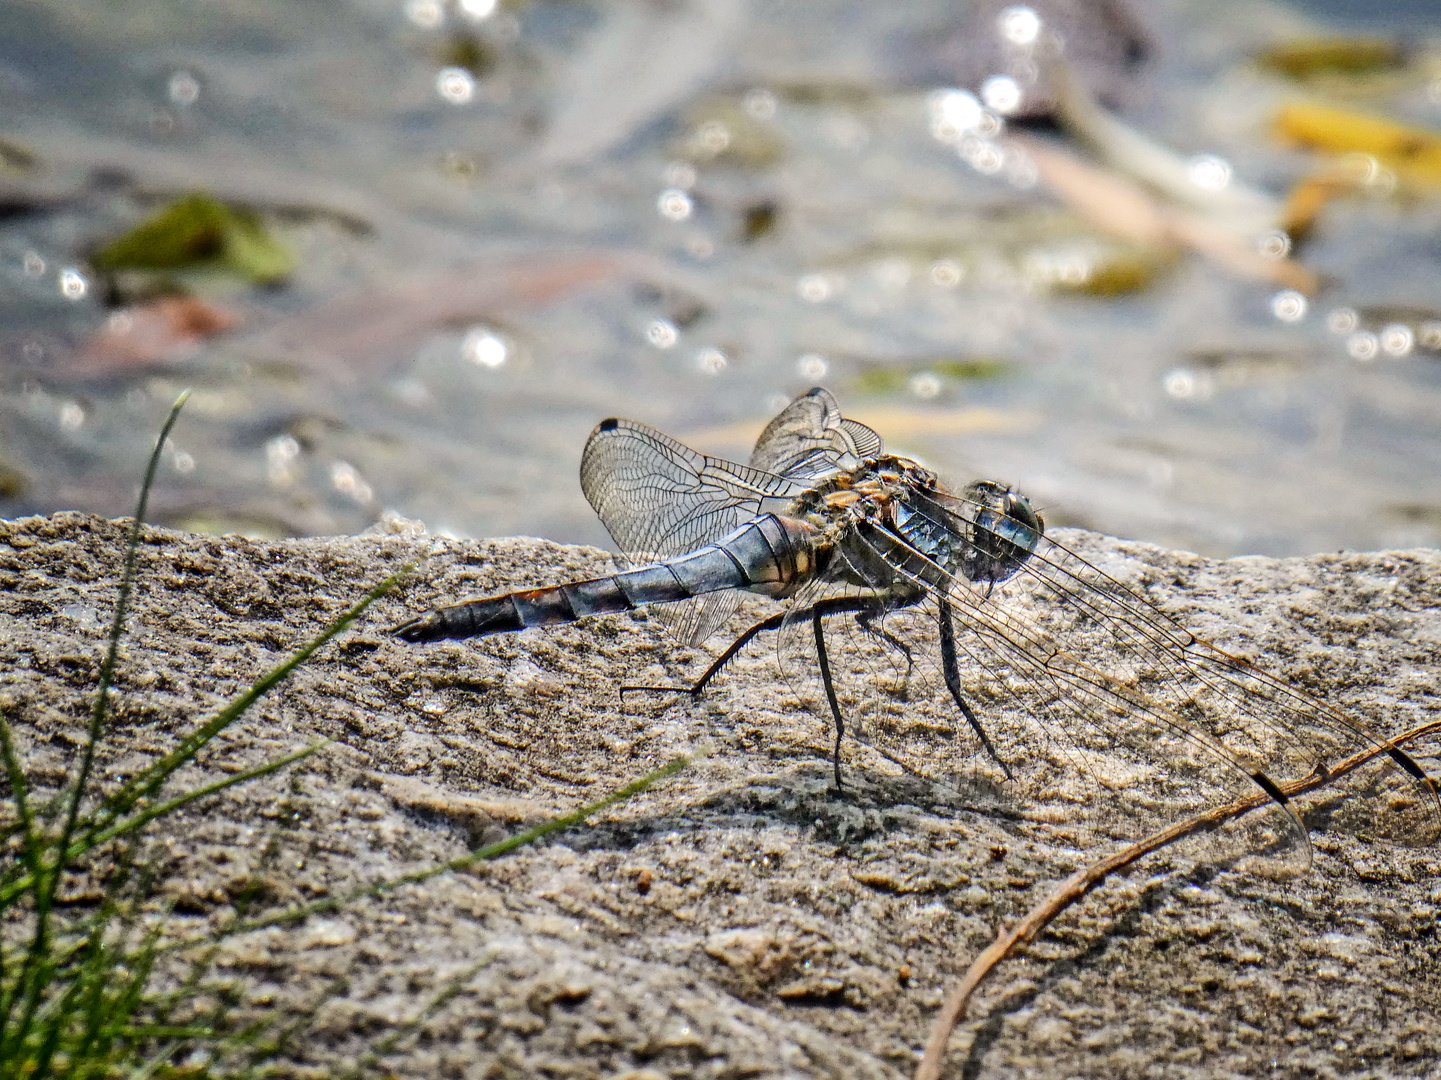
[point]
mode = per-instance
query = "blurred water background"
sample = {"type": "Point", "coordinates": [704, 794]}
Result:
{"type": "Point", "coordinates": [432, 242]}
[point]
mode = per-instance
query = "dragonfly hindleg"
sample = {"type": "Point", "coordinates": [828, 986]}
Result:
{"type": "Point", "coordinates": [817, 615]}
{"type": "Point", "coordinates": [773, 623]}
{"type": "Point", "coordinates": [866, 621]}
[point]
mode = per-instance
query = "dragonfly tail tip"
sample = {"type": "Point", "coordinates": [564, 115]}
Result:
{"type": "Point", "coordinates": [417, 630]}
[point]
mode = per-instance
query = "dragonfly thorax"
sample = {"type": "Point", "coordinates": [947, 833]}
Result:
{"type": "Point", "coordinates": [869, 492]}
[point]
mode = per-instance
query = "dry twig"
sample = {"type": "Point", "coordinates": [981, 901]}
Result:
{"type": "Point", "coordinates": [1083, 881]}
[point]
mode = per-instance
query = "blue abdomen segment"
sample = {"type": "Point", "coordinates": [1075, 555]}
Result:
{"type": "Point", "coordinates": [770, 554]}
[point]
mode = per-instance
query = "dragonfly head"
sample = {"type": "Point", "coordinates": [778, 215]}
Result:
{"type": "Point", "coordinates": [1004, 531]}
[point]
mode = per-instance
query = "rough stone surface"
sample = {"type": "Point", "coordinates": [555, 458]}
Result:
{"type": "Point", "coordinates": [739, 920]}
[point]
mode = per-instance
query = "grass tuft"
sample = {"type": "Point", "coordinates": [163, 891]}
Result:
{"type": "Point", "coordinates": [109, 989]}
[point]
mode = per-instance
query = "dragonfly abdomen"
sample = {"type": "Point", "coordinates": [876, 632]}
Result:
{"type": "Point", "coordinates": [769, 554]}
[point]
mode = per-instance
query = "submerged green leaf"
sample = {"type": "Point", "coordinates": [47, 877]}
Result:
{"type": "Point", "coordinates": [720, 131]}
{"type": "Point", "coordinates": [200, 233]}
{"type": "Point", "coordinates": [469, 51]}
{"type": "Point", "coordinates": [1332, 56]}
{"type": "Point", "coordinates": [14, 157]}
{"type": "Point", "coordinates": [902, 375]}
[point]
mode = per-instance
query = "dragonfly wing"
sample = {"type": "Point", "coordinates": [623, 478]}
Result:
{"type": "Point", "coordinates": [692, 621]}
{"type": "Point", "coordinates": [1262, 719]}
{"type": "Point", "coordinates": [1113, 670]}
{"type": "Point", "coordinates": [1084, 743]}
{"type": "Point", "coordinates": [809, 439]}
{"type": "Point", "coordinates": [659, 498]}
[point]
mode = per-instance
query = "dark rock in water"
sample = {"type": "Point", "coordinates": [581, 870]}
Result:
{"type": "Point", "coordinates": [1106, 44]}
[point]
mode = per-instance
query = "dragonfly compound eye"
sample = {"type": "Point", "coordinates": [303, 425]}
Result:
{"type": "Point", "coordinates": [1004, 532]}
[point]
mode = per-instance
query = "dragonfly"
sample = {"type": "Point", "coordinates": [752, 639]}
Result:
{"type": "Point", "coordinates": [956, 638]}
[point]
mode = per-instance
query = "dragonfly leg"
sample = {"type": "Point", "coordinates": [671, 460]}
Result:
{"type": "Point", "coordinates": [817, 615]}
{"type": "Point", "coordinates": [952, 672]}
{"type": "Point", "coordinates": [825, 607]}
{"type": "Point", "coordinates": [773, 623]}
{"type": "Point", "coordinates": [864, 606]}
{"type": "Point", "coordinates": [866, 621]}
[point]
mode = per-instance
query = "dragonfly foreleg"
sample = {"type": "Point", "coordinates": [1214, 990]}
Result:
{"type": "Point", "coordinates": [952, 672]}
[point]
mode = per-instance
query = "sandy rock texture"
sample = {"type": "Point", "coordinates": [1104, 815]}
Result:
{"type": "Point", "coordinates": [739, 920]}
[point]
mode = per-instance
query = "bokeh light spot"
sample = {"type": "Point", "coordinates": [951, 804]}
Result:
{"type": "Point", "coordinates": [484, 348]}
{"type": "Point", "coordinates": [281, 454]}
{"type": "Point", "coordinates": [662, 333]}
{"type": "Point", "coordinates": [1019, 25]}
{"type": "Point", "coordinates": [1179, 383]}
{"type": "Point", "coordinates": [456, 85]}
{"type": "Point", "coordinates": [1342, 321]}
{"type": "Point", "coordinates": [674, 204]}
{"type": "Point", "coordinates": [1209, 172]}
{"type": "Point", "coordinates": [73, 285]}
{"type": "Point", "coordinates": [1289, 306]}
{"type": "Point", "coordinates": [953, 113]}
{"type": "Point", "coordinates": [346, 479]}
{"type": "Point", "coordinates": [711, 361]}
{"type": "Point", "coordinates": [1274, 245]}
{"type": "Point", "coordinates": [183, 89]}
{"type": "Point", "coordinates": [812, 366]}
{"type": "Point", "coordinates": [947, 273]}
{"type": "Point", "coordinates": [1363, 346]}
{"type": "Point", "coordinates": [478, 9]}
{"type": "Point", "coordinates": [1002, 93]}
{"type": "Point", "coordinates": [1397, 340]}
{"type": "Point", "coordinates": [427, 14]}
{"type": "Point", "coordinates": [814, 288]}
{"type": "Point", "coordinates": [761, 104]}
{"type": "Point", "coordinates": [925, 385]}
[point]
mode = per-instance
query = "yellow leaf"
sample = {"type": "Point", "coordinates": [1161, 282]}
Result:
{"type": "Point", "coordinates": [1414, 153]}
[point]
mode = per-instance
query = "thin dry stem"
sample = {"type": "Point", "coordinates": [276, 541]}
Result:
{"type": "Point", "coordinates": [1084, 881]}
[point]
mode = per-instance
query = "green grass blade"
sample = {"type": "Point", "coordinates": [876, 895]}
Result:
{"type": "Point", "coordinates": [102, 825]}
{"type": "Point", "coordinates": [34, 976]}
{"type": "Point", "coordinates": [148, 815]}
{"type": "Point", "coordinates": [94, 975]}
{"type": "Point", "coordinates": [19, 788]}
{"type": "Point", "coordinates": [153, 777]}
{"type": "Point", "coordinates": [490, 851]}
{"type": "Point", "coordinates": [31, 854]}
{"type": "Point", "coordinates": [129, 825]}
{"type": "Point", "coordinates": [117, 626]}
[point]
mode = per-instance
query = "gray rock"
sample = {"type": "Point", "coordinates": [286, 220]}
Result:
{"type": "Point", "coordinates": [739, 919]}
